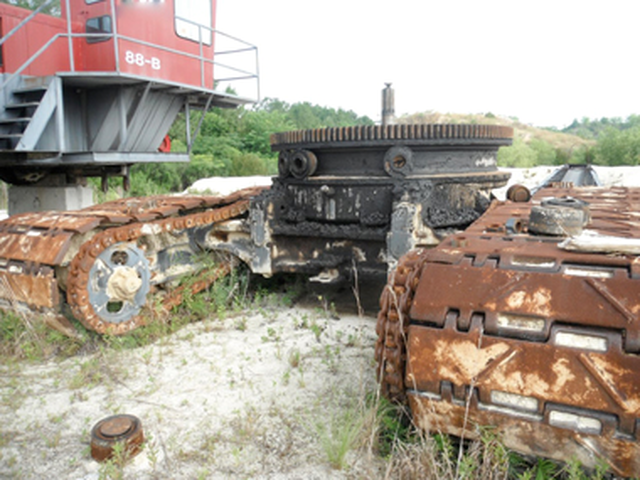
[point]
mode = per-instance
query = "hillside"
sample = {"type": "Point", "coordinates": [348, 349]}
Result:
{"type": "Point", "coordinates": [524, 132]}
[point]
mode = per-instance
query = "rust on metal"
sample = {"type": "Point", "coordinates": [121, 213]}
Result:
{"type": "Point", "coordinates": [35, 245]}
{"type": "Point", "coordinates": [117, 429]}
{"type": "Point", "coordinates": [80, 268]}
{"type": "Point", "coordinates": [504, 328]}
{"type": "Point", "coordinates": [46, 253]}
{"type": "Point", "coordinates": [36, 289]}
{"type": "Point", "coordinates": [52, 220]}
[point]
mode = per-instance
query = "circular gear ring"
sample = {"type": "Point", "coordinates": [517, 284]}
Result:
{"type": "Point", "coordinates": [384, 134]}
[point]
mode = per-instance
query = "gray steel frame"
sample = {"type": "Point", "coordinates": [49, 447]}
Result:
{"type": "Point", "coordinates": [74, 146]}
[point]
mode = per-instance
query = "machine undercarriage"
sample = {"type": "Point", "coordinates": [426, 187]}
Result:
{"type": "Point", "coordinates": [489, 318]}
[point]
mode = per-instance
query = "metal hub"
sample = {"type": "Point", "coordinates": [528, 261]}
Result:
{"type": "Point", "coordinates": [119, 283]}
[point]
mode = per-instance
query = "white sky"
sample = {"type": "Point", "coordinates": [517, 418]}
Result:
{"type": "Point", "coordinates": [545, 62]}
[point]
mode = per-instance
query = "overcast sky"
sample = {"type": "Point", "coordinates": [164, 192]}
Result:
{"type": "Point", "coordinates": [545, 62]}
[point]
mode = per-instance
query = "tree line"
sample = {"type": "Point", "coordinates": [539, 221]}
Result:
{"type": "Point", "coordinates": [615, 142]}
{"type": "Point", "coordinates": [235, 142]}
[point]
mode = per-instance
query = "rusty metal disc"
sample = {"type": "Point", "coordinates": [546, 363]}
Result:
{"type": "Point", "coordinates": [116, 429]}
{"type": "Point", "coordinates": [518, 193]}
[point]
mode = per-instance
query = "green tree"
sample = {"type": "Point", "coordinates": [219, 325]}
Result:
{"type": "Point", "coordinates": [618, 147]}
{"type": "Point", "coordinates": [544, 152]}
{"type": "Point", "coordinates": [235, 142]}
{"type": "Point", "coordinates": [52, 9]}
{"type": "Point", "coordinates": [518, 155]}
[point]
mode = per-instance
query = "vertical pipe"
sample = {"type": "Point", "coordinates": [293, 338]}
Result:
{"type": "Point", "coordinates": [122, 111]}
{"type": "Point", "coordinates": [72, 63]}
{"type": "Point", "coordinates": [257, 73]}
{"type": "Point", "coordinates": [114, 21]}
{"type": "Point", "coordinates": [56, 83]}
{"type": "Point", "coordinates": [201, 56]}
{"type": "Point", "coordinates": [388, 105]}
{"type": "Point", "coordinates": [187, 117]}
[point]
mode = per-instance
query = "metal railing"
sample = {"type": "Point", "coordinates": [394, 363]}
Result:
{"type": "Point", "coordinates": [24, 22]}
{"type": "Point", "coordinates": [242, 74]}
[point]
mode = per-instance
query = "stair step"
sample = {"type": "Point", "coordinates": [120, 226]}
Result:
{"type": "Point", "coordinates": [13, 121]}
{"type": "Point", "coordinates": [15, 106]}
{"type": "Point", "coordinates": [10, 136]}
{"type": "Point", "coordinates": [36, 89]}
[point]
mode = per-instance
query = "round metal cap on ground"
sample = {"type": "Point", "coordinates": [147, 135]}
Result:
{"type": "Point", "coordinates": [116, 429]}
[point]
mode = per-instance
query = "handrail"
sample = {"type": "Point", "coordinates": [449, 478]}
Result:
{"type": "Point", "coordinates": [245, 74]}
{"type": "Point", "coordinates": [24, 21]}
{"type": "Point", "coordinates": [32, 59]}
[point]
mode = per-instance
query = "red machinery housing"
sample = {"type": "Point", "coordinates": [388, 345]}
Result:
{"type": "Point", "coordinates": [96, 90]}
{"type": "Point", "coordinates": [171, 40]}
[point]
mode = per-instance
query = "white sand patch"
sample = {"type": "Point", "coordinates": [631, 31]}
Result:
{"type": "Point", "coordinates": [234, 398]}
{"type": "Point", "coordinates": [226, 185]}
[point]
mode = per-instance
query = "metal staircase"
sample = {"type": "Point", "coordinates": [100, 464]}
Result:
{"type": "Point", "coordinates": [26, 116]}
{"type": "Point", "coordinates": [65, 125]}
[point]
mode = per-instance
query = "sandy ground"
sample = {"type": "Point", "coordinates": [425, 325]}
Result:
{"type": "Point", "coordinates": [243, 397]}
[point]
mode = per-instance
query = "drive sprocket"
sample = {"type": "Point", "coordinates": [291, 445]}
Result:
{"type": "Point", "coordinates": [110, 277]}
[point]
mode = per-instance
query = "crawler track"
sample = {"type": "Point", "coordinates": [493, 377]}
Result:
{"type": "Point", "coordinates": [148, 242]}
{"type": "Point", "coordinates": [503, 328]}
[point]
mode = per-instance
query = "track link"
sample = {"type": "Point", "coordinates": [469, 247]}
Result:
{"type": "Point", "coordinates": [499, 327]}
{"type": "Point", "coordinates": [79, 252]}
{"type": "Point", "coordinates": [80, 268]}
{"type": "Point", "coordinates": [393, 323]}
